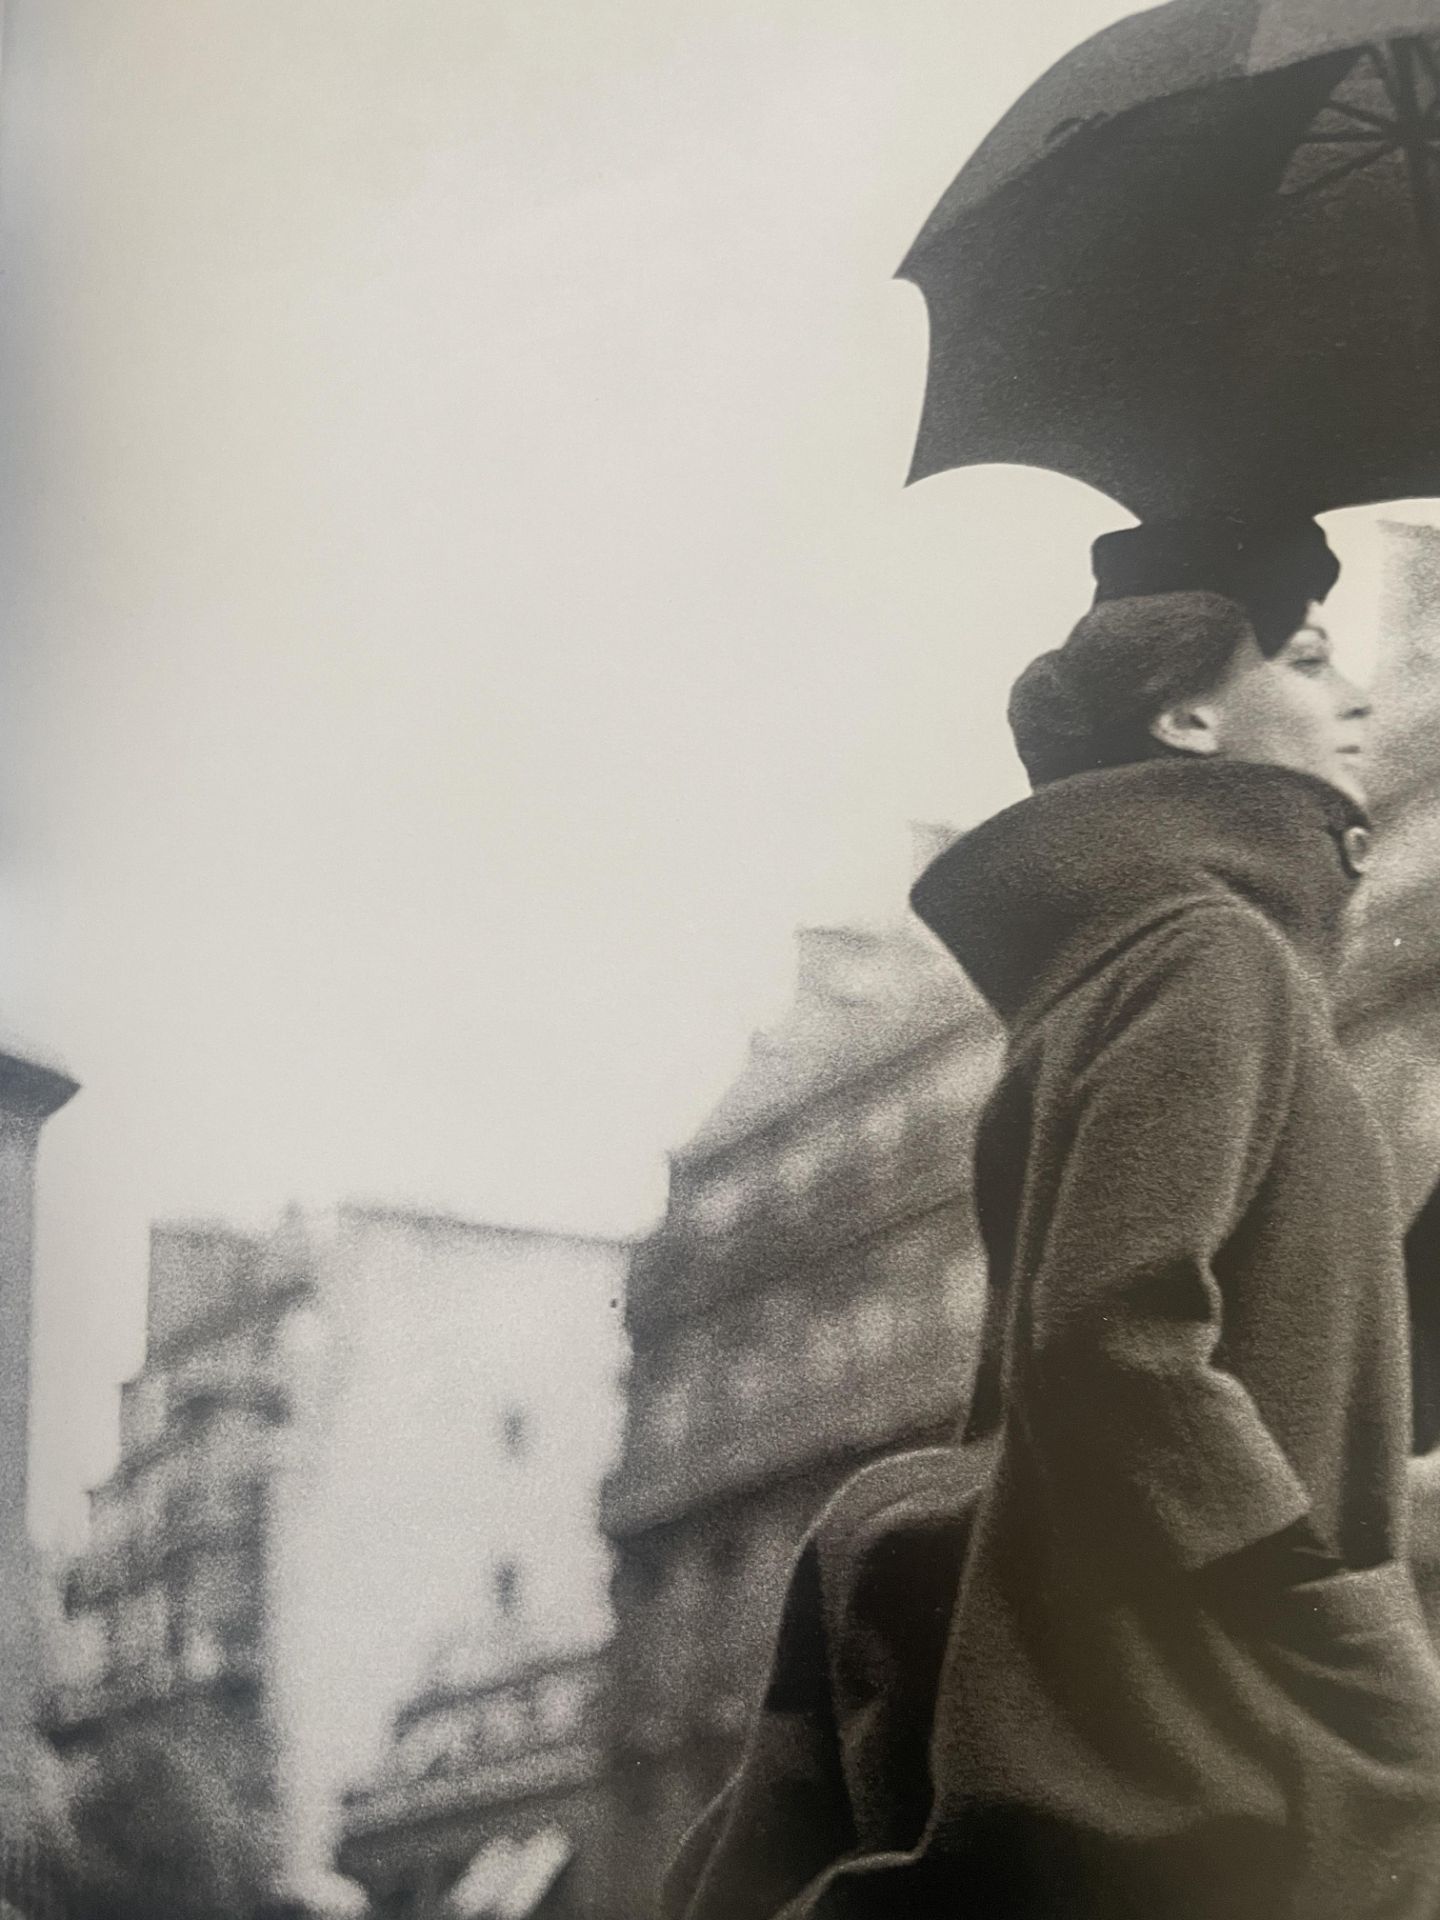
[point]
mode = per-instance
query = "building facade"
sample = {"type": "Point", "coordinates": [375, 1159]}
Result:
{"type": "Point", "coordinates": [490, 1803]}
{"type": "Point", "coordinates": [337, 1446]}
{"type": "Point", "coordinates": [164, 1662]}
{"type": "Point", "coordinates": [812, 1299]}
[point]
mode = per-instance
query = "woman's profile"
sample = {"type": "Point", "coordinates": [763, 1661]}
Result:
{"type": "Point", "coordinates": [1184, 1674]}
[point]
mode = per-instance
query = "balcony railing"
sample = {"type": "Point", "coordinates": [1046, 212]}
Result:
{"type": "Point", "coordinates": [99, 1572]}
{"type": "Point", "coordinates": [396, 1802]}
{"type": "Point", "coordinates": [69, 1710]}
{"type": "Point", "coordinates": [205, 1420]}
{"type": "Point", "coordinates": [228, 1517]}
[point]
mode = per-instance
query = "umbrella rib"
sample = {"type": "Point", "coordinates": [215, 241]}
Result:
{"type": "Point", "coordinates": [1424, 55]}
{"type": "Point", "coordinates": [1336, 174]}
{"type": "Point", "coordinates": [1374, 57]}
{"type": "Point", "coordinates": [1410, 57]}
{"type": "Point", "coordinates": [1365, 116]}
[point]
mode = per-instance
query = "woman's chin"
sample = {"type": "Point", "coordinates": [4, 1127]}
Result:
{"type": "Point", "coordinates": [1348, 776]}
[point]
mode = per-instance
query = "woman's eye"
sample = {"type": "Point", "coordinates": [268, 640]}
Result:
{"type": "Point", "coordinates": [1311, 663]}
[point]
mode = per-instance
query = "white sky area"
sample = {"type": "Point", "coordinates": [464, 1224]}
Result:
{"type": "Point", "coordinates": [461, 605]}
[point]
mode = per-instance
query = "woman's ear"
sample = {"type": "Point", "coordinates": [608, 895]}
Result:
{"type": "Point", "coordinates": [1188, 728]}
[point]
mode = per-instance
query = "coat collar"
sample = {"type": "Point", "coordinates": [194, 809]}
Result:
{"type": "Point", "coordinates": [1043, 893]}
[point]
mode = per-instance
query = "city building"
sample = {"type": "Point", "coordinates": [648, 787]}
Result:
{"type": "Point", "coordinates": [812, 1299]}
{"type": "Point", "coordinates": [30, 1092]}
{"type": "Point", "coordinates": [346, 1435]}
{"type": "Point", "coordinates": [490, 1803]}
{"type": "Point", "coordinates": [162, 1667]}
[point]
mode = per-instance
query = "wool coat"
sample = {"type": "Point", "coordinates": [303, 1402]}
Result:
{"type": "Point", "coordinates": [1195, 1341]}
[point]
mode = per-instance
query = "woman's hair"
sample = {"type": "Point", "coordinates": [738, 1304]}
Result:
{"type": "Point", "coordinates": [1090, 703]}
{"type": "Point", "coordinates": [1173, 600]}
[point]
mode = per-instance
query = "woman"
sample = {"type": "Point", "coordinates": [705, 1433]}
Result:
{"type": "Point", "coordinates": [1186, 1677]}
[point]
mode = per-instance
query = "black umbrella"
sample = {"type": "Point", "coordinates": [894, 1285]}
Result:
{"type": "Point", "coordinates": [1198, 264]}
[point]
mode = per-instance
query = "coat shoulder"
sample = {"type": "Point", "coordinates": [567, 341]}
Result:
{"type": "Point", "coordinates": [1211, 931]}
{"type": "Point", "coordinates": [1210, 955]}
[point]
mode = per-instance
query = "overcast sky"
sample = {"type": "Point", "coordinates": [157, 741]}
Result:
{"type": "Point", "coordinates": [461, 606]}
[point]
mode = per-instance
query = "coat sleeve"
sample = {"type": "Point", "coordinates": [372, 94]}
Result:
{"type": "Point", "coordinates": [1164, 1141]}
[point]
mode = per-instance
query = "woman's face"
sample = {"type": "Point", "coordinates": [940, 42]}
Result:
{"type": "Point", "coordinates": [1293, 709]}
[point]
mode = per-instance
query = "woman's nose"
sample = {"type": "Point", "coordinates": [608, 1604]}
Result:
{"type": "Point", "coordinates": [1355, 702]}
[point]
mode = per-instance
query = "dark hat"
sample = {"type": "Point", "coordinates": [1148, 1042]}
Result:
{"type": "Point", "coordinates": [1273, 569]}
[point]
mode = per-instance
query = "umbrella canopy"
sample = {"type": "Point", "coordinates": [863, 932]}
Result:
{"type": "Point", "coordinates": [1198, 264]}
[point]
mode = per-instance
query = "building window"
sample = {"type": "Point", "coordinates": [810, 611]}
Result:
{"type": "Point", "coordinates": [503, 1721]}
{"type": "Point", "coordinates": [507, 1587]}
{"type": "Point", "coordinates": [671, 1413]}
{"type": "Point", "coordinates": [724, 1553]}
{"type": "Point", "coordinates": [515, 1433]}
{"type": "Point", "coordinates": [431, 1746]}
{"type": "Point", "coordinates": [799, 1165]}
{"type": "Point", "coordinates": [202, 1658]}
{"type": "Point", "coordinates": [831, 1341]}
{"type": "Point", "coordinates": [718, 1204]}
{"type": "Point", "coordinates": [559, 1703]}
{"type": "Point", "coordinates": [298, 1350]}
{"type": "Point", "coordinates": [946, 1104]}
{"type": "Point", "coordinates": [885, 1123]}
{"type": "Point", "coordinates": [108, 1519]}
{"type": "Point", "coordinates": [875, 1324]}
{"type": "Point", "coordinates": [147, 1498]}
{"type": "Point", "coordinates": [963, 1291]}
{"type": "Point", "coordinates": [835, 1145]}
{"type": "Point", "coordinates": [175, 1622]}
{"type": "Point", "coordinates": [142, 1413]}
{"type": "Point", "coordinates": [646, 1571]}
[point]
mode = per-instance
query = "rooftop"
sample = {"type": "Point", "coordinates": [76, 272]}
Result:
{"type": "Point", "coordinates": [863, 996]}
